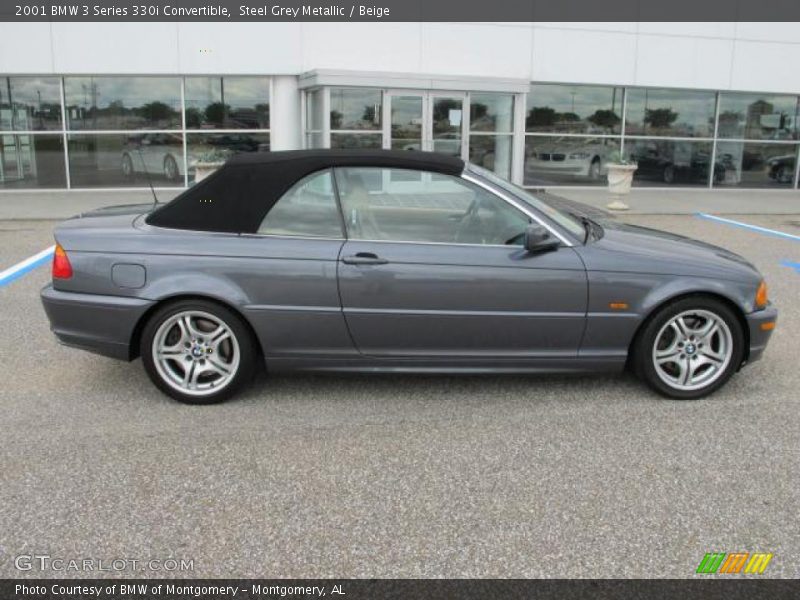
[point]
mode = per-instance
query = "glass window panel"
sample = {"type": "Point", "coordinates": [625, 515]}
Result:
{"type": "Point", "coordinates": [755, 165]}
{"type": "Point", "coordinates": [573, 109]}
{"type": "Point", "coordinates": [356, 140]}
{"type": "Point", "coordinates": [314, 140]}
{"type": "Point", "coordinates": [28, 161]}
{"type": "Point", "coordinates": [553, 160]}
{"type": "Point", "coordinates": [758, 116]}
{"type": "Point", "coordinates": [30, 103]}
{"type": "Point", "coordinates": [314, 114]}
{"type": "Point", "coordinates": [448, 113]}
{"type": "Point", "coordinates": [219, 147]}
{"type": "Point", "coordinates": [491, 112]}
{"type": "Point", "coordinates": [355, 109]}
{"type": "Point", "coordinates": [387, 204]}
{"type": "Point", "coordinates": [227, 102]}
{"type": "Point", "coordinates": [308, 209]}
{"type": "Point", "coordinates": [123, 102]}
{"type": "Point", "coordinates": [491, 152]}
{"type": "Point", "coordinates": [122, 160]}
{"type": "Point", "coordinates": [670, 112]}
{"type": "Point", "coordinates": [406, 122]}
{"type": "Point", "coordinates": [670, 162]}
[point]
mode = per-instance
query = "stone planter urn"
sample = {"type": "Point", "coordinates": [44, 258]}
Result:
{"type": "Point", "coordinates": [203, 169]}
{"type": "Point", "coordinates": [620, 178]}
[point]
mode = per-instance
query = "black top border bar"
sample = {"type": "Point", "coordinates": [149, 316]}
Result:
{"type": "Point", "coordinates": [401, 10]}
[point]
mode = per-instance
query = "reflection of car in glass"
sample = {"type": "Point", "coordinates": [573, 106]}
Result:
{"type": "Point", "coordinates": [320, 260]}
{"type": "Point", "coordinates": [236, 142]}
{"type": "Point", "coordinates": [781, 168]}
{"type": "Point", "coordinates": [669, 161]}
{"type": "Point", "coordinates": [570, 156]}
{"type": "Point", "coordinates": [153, 153]}
{"type": "Point", "coordinates": [220, 147]}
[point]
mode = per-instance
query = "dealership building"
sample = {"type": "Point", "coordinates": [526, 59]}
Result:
{"type": "Point", "coordinates": [112, 106]}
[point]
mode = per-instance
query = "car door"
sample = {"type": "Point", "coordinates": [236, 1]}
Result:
{"type": "Point", "coordinates": [434, 267]}
{"type": "Point", "coordinates": [291, 281]}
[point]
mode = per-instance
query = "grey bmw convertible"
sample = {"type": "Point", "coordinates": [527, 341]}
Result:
{"type": "Point", "coordinates": [395, 261]}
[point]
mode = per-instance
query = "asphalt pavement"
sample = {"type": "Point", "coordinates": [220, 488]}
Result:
{"type": "Point", "coordinates": [398, 476]}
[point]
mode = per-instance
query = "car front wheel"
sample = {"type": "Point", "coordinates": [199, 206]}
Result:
{"type": "Point", "coordinates": [690, 348]}
{"type": "Point", "coordinates": [198, 352]}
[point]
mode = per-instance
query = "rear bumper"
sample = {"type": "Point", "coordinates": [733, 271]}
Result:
{"type": "Point", "coordinates": [758, 336]}
{"type": "Point", "coordinates": [100, 324]}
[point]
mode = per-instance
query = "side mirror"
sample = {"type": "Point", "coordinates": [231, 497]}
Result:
{"type": "Point", "coordinates": [538, 239]}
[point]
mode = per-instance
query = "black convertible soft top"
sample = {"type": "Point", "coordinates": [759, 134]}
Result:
{"type": "Point", "coordinates": [237, 197]}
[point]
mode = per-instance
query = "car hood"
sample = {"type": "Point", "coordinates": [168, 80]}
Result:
{"type": "Point", "coordinates": [633, 248]}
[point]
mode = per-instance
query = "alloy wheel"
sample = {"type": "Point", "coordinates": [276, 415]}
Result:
{"type": "Point", "coordinates": [692, 350]}
{"type": "Point", "coordinates": [170, 168]}
{"type": "Point", "coordinates": [127, 166]}
{"type": "Point", "coordinates": [196, 353]}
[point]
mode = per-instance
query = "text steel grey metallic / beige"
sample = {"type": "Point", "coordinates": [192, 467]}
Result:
{"type": "Point", "coordinates": [486, 278]}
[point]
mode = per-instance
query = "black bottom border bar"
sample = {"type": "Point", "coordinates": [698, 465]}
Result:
{"type": "Point", "coordinates": [379, 589]}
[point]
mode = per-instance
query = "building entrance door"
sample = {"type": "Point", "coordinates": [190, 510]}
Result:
{"type": "Point", "coordinates": [431, 121]}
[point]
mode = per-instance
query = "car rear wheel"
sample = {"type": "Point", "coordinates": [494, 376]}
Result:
{"type": "Point", "coordinates": [171, 168]}
{"type": "Point", "coordinates": [690, 348]}
{"type": "Point", "coordinates": [198, 352]}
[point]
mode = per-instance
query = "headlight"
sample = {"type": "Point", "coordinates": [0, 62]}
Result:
{"type": "Point", "coordinates": [761, 295]}
{"type": "Point", "coordinates": [579, 155]}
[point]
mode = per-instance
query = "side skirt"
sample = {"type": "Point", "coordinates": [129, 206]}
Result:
{"type": "Point", "coordinates": [371, 365]}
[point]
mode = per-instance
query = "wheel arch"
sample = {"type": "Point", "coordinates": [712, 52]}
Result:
{"type": "Point", "coordinates": [136, 335]}
{"type": "Point", "coordinates": [664, 302]}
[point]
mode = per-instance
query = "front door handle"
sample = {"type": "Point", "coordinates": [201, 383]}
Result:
{"type": "Point", "coordinates": [364, 258]}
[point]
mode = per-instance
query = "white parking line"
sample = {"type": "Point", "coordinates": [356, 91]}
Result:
{"type": "Point", "coordinates": [26, 266]}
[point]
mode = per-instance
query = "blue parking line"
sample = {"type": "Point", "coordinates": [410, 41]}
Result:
{"type": "Point", "coordinates": [26, 266]}
{"type": "Point", "coordinates": [791, 265]}
{"type": "Point", "coordinates": [756, 228]}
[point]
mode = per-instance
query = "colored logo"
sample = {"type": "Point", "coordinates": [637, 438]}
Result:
{"type": "Point", "coordinates": [734, 562]}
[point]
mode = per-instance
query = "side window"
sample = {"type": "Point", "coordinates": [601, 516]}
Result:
{"type": "Point", "coordinates": [390, 204]}
{"type": "Point", "coordinates": [308, 209]}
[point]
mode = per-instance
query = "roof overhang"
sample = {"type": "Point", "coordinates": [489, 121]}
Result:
{"type": "Point", "coordinates": [325, 77]}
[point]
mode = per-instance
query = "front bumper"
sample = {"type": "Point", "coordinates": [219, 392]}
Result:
{"type": "Point", "coordinates": [564, 167]}
{"type": "Point", "coordinates": [100, 324]}
{"type": "Point", "coordinates": [759, 336]}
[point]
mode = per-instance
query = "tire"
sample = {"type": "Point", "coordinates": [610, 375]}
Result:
{"type": "Point", "coordinates": [171, 171]}
{"type": "Point", "coordinates": [594, 169]}
{"type": "Point", "coordinates": [203, 361]}
{"type": "Point", "coordinates": [126, 166]}
{"type": "Point", "coordinates": [784, 175]}
{"type": "Point", "coordinates": [669, 174]}
{"type": "Point", "coordinates": [662, 356]}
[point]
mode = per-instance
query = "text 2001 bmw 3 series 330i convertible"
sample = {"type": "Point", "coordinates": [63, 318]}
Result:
{"type": "Point", "coordinates": [394, 261]}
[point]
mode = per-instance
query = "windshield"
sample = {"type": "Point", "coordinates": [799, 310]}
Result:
{"type": "Point", "coordinates": [565, 220]}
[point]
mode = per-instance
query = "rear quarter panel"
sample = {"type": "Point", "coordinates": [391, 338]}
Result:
{"type": "Point", "coordinates": [285, 287]}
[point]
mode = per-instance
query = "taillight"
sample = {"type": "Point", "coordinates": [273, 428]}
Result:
{"type": "Point", "coordinates": [61, 267]}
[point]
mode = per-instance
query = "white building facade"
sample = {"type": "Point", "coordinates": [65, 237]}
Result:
{"type": "Point", "coordinates": [118, 105]}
